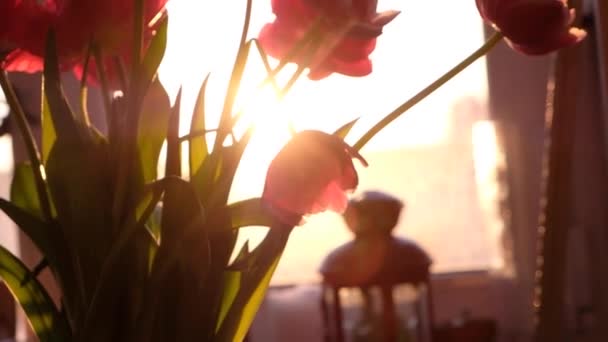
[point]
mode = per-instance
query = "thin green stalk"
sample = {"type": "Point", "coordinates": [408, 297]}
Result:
{"type": "Point", "coordinates": [489, 44]}
{"type": "Point", "coordinates": [83, 113]}
{"type": "Point", "coordinates": [30, 144]}
{"type": "Point", "coordinates": [235, 80]}
{"type": "Point", "coordinates": [282, 92]}
{"type": "Point", "coordinates": [103, 80]}
{"type": "Point", "coordinates": [266, 63]}
{"type": "Point", "coordinates": [309, 36]}
{"type": "Point", "coordinates": [138, 33]}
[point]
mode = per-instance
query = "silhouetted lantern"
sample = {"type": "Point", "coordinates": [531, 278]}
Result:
{"type": "Point", "coordinates": [385, 278]}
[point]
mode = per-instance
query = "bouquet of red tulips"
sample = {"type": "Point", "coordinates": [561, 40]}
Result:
{"type": "Point", "coordinates": [140, 257]}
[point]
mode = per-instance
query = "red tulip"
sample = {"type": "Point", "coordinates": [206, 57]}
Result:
{"type": "Point", "coordinates": [533, 27]}
{"type": "Point", "coordinates": [77, 24]}
{"type": "Point", "coordinates": [348, 31]}
{"type": "Point", "coordinates": [311, 174]}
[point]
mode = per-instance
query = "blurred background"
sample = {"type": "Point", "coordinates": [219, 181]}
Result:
{"type": "Point", "coordinates": [466, 161]}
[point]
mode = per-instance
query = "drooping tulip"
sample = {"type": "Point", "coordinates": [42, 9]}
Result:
{"type": "Point", "coordinates": [347, 31]}
{"type": "Point", "coordinates": [533, 27]}
{"type": "Point", "coordinates": [312, 173]}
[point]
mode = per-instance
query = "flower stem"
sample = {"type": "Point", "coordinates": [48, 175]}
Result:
{"type": "Point", "coordinates": [83, 115]}
{"type": "Point", "coordinates": [30, 144]}
{"type": "Point", "coordinates": [487, 46]}
{"type": "Point", "coordinates": [103, 80]}
{"type": "Point", "coordinates": [234, 83]}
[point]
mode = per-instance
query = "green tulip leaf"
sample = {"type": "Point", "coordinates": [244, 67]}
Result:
{"type": "Point", "coordinates": [343, 131]}
{"type": "Point", "coordinates": [254, 282]}
{"type": "Point", "coordinates": [59, 110]}
{"type": "Point", "coordinates": [198, 149]}
{"type": "Point", "coordinates": [44, 318]}
{"type": "Point", "coordinates": [48, 129]}
{"type": "Point", "coordinates": [78, 180]}
{"type": "Point", "coordinates": [220, 172]}
{"type": "Point", "coordinates": [130, 252]}
{"type": "Point", "coordinates": [231, 285]}
{"type": "Point", "coordinates": [23, 190]}
{"type": "Point", "coordinates": [155, 53]}
{"type": "Point", "coordinates": [180, 268]}
{"type": "Point", "coordinates": [252, 305]}
{"type": "Point", "coordinates": [31, 225]}
{"type": "Point", "coordinates": [153, 125]}
{"type": "Point", "coordinates": [251, 212]}
{"type": "Point", "coordinates": [174, 160]}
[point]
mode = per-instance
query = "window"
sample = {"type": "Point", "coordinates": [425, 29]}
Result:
{"type": "Point", "coordinates": [441, 158]}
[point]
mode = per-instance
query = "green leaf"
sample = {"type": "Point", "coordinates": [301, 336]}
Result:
{"type": "Point", "coordinates": [45, 238]}
{"type": "Point", "coordinates": [155, 53]}
{"type": "Point", "coordinates": [174, 160]}
{"type": "Point", "coordinates": [44, 318]}
{"type": "Point", "coordinates": [225, 124]}
{"type": "Point", "coordinates": [251, 212]}
{"type": "Point", "coordinates": [253, 303]}
{"type": "Point", "coordinates": [48, 129]}
{"type": "Point", "coordinates": [231, 285]}
{"type": "Point", "coordinates": [224, 170]}
{"type": "Point", "coordinates": [48, 239]}
{"type": "Point", "coordinates": [37, 230]}
{"type": "Point", "coordinates": [342, 132]}
{"type": "Point", "coordinates": [110, 273]}
{"type": "Point", "coordinates": [182, 219]}
{"type": "Point", "coordinates": [243, 253]}
{"type": "Point", "coordinates": [79, 184]}
{"type": "Point", "coordinates": [60, 112]}
{"type": "Point", "coordinates": [198, 150]}
{"type": "Point", "coordinates": [253, 285]}
{"type": "Point", "coordinates": [153, 126]}
{"type": "Point", "coordinates": [23, 190]}
{"type": "Point", "coordinates": [177, 287]}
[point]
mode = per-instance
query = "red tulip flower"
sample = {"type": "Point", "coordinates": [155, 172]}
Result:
{"type": "Point", "coordinates": [533, 27]}
{"type": "Point", "coordinates": [348, 30]}
{"type": "Point", "coordinates": [311, 174]}
{"type": "Point", "coordinates": [107, 24]}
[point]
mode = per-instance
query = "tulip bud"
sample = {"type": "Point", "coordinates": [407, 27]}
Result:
{"type": "Point", "coordinates": [347, 29]}
{"type": "Point", "coordinates": [532, 27]}
{"type": "Point", "coordinates": [311, 174]}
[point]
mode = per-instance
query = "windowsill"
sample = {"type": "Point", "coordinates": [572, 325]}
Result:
{"type": "Point", "coordinates": [477, 277]}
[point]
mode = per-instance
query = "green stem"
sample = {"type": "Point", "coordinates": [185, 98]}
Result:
{"type": "Point", "coordinates": [304, 42]}
{"type": "Point", "coordinates": [234, 82]}
{"type": "Point", "coordinates": [83, 115]}
{"type": "Point", "coordinates": [30, 144]}
{"type": "Point", "coordinates": [489, 44]}
{"type": "Point", "coordinates": [138, 33]}
{"type": "Point", "coordinates": [103, 80]}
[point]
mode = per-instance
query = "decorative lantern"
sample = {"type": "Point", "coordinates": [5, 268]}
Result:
{"type": "Point", "coordinates": [385, 277]}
